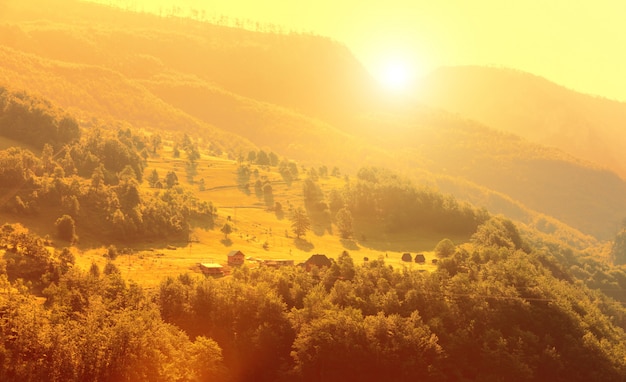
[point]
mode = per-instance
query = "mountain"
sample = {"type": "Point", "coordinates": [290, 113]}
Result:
{"type": "Point", "coordinates": [584, 126]}
{"type": "Point", "coordinates": [303, 97]}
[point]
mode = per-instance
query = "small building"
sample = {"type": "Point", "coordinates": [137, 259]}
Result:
{"type": "Point", "coordinates": [420, 258]}
{"type": "Point", "coordinates": [235, 257]}
{"type": "Point", "coordinates": [317, 260]}
{"type": "Point", "coordinates": [278, 263]}
{"type": "Point", "coordinates": [407, 257]}
{"type": "Point", "coordinates": [211, 269]}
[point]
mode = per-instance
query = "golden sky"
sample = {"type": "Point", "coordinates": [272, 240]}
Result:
{"type": "Point", "coordinates": [576, 43]}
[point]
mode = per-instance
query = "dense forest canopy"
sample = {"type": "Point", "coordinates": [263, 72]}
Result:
{"type": "Point", "coordinates": [498, 307]}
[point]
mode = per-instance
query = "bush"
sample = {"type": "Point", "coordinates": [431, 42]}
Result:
{"type": "Point", "coordinates": [66, 228]}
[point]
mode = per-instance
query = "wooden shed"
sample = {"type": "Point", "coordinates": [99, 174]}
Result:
{"type": "Point", "coordinates": [211, 269]}
{"type": "Point", "coordinates": [278, 263]}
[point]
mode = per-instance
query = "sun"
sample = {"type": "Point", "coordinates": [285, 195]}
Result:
{"type": "Point", "coordinates": [395, 75]}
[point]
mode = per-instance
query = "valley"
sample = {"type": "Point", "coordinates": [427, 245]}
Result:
{"type": "Point", "coordinates": [135, 147]}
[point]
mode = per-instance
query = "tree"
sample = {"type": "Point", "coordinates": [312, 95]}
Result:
{"type": "Point", "coordinates": [47, 158]}
{"type": "Point", "coordinates": [273, 159]}
{"type": "Point", "coordinates": [153, 178]}
{"type": "Point", "coordinates": [499, 232]}
{"type": "Point", "coordinates": [226, 230]}
{"type": "Point", "coordinates": [335, 201]}
{"type": "Point", "coordinates": [618, 250]}
{"type": "Point", "coordinates": [252, 156]}
{"type": "Point", "coordinates": [312, 192]}
{"type": "Point", "coordinates": [300, 222]}
{"type": "Point", "coordinates": [262, 158]}
{"type": "Point", "coordinates": [268, 195]}
{"type": "Point", "coordinates": [97, 177]}
{"type": "Point", "coordinates": [343, 219]}
{"type": "Point", "coordinates": [193, 154]}
{"type": "Point", "coordinates": [66, 228]}
{"type": "Point", "coordinates": [445, 248]}
{"type": "Point", "coordinates": [171, 179]}
{"type": "Point", "coordinates": [206, 360]}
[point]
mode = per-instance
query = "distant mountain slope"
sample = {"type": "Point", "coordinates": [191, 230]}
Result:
{"type": "Point", "coordinates": [293, 134]}
{"type": "Point", "coordinates": [269, 67]}
{"type": "Point", "coordinates": [535, 108]}
{"type": "Point", "coordinates": [543, 179]}
{"type": "Point", "coordinates": [97, 92]}
{"type": "Point", "coordinates": [303, 97]}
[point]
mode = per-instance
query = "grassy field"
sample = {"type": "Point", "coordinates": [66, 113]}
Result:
{"type": "Point", "coordinates": [259, 233]}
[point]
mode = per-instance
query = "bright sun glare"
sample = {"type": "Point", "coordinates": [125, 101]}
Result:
{"type": "Point", "coordinates": [395, 76]}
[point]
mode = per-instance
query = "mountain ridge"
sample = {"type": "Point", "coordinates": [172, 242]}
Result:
{"type": "Point", "coordinates": [532, 107]}
{"type": "Point", "coordinates": [140, 85]}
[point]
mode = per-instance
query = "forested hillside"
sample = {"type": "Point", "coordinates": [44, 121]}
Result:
{"type": "Point", "coordinates": [190, 76]}
{"type": "Point", "coordinates": [499, 307]}
{"type": "Point", "coordinates": [140, 154]}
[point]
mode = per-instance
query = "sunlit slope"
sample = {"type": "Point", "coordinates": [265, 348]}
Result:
{"type": "Point", "coordinates": [292, 134]}
{"type": "Point", "coordinates": [241, 89]}
{"type": "Point", "coordinates": [543, 179]}
{"type": "Point", "coordinates": [96, 92]}
{"type": "Point", "coordinates": [307, 73]}
{"type": "Point", "coordinates": [535, 108]}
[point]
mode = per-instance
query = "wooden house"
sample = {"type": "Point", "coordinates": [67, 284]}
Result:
{"type": "Point", "coordinates": [317, 260]}
{"type": "Point", "coordinates": [235, 257]}
{"type": "Point", "coordinates": [211, 269]}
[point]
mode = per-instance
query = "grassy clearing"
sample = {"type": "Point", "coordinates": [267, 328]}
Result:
{"type": "Point", "coordinates": [258, 232]}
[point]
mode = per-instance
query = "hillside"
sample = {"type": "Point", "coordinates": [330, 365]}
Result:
{"type": "Point", "coordinates": [236, 89]}
{"type": "Point", "coordinates": [283, 64]}
{"type": "Point", "coordinates": [376, 239]}
{"type": "Point", "coordinates": [541, 178]}
{"type": "Point", "coordinates": [532, 107]}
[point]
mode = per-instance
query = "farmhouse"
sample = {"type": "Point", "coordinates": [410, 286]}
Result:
{"type": "Point", "coordinates": [211, 269]}
{"type": "Point", "coordinates": [317, 260]}
{"type": "Point", "coordinates": [235, 257]}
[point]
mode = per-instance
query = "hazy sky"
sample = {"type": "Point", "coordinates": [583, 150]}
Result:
{"type": "Point", "coordinates": [576, 43]}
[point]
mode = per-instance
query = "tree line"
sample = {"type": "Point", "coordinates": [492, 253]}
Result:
{"type": "Point", "coordinates": [499, 307]}
{"type": "Point", "coordinates": [92, 176]}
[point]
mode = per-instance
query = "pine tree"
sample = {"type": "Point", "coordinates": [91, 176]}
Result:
{"type": "Point", "coordinates": [300, 222]}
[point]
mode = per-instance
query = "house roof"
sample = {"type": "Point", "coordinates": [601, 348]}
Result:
{"type": "Point", "coordinates": [211, 265]}
{"type": "Point", "coordinates": [319, 260]}
{"type": "Point", "coordinates": [235, 253]}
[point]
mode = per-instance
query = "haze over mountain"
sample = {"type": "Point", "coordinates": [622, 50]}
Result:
{"type": "Point", "coordinates": [183, 200]}
{"type": "Point", "coordinates": [309, 99]}
{"type": "Point", "coordinates": [588, 127]}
